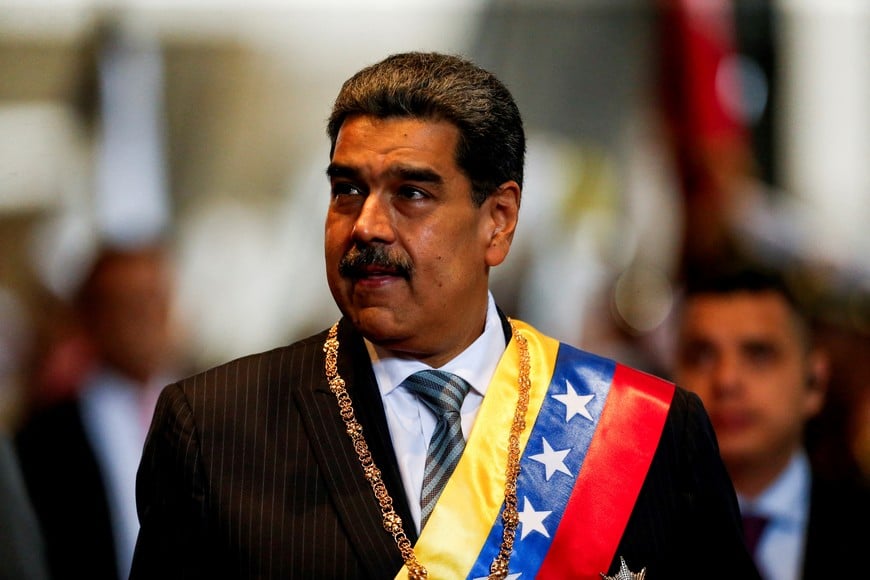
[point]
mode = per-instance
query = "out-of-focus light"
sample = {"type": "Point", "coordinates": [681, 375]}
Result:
{"type": "Point", "coordinates": [132, 200]}
{"type": "Point", "coordinates": [743, 88]}
{"type": "Point", "coordinates": [642, 298]}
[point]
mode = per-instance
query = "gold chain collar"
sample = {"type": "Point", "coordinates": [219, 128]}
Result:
{"type": "Point", "coordinates": [391, 520]}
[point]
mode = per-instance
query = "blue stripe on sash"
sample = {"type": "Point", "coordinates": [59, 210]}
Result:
{"type": "Point", "coordinates": [555, 445]}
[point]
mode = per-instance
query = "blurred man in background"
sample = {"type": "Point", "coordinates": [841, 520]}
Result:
{"type": "Point", "coordinates": [79, 456]}
{"type": "Point", "coordinates": [746, 349]}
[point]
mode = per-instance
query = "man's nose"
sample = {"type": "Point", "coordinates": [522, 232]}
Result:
{"type": "Point", "coordinates": [726, 374]}
{"type": "Point", "coordinates": [374, 222]}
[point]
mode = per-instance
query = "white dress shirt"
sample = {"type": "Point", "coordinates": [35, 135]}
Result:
{"type": "Point", "coordinates": [786, 502]}
{"type": "Point", "coordinates": [116, 414]}
{"type": "Point", "coordinates": [411, 423]}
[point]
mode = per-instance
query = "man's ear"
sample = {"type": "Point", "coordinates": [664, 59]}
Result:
{"type": "Point", "coordinates": [817, 378]}
{"type": "Point", "coordinates": [502, 208]}
{"type": "Point", "coordinates": [818, 369]}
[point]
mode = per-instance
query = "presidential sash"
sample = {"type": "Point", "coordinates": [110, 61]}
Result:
{"type": "Point", "coordinates": [592, 429]}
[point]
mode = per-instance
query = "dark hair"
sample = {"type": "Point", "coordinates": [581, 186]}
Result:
{"type": "Point", "coordinates": [743, 277]}
{"type": "Point", "coordinates": [435, 86]}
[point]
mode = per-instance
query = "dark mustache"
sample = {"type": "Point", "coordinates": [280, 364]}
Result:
{"type": "Point", "coordinates": [356, 259]}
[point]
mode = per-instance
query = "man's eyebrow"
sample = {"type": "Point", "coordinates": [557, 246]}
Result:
{"type": "Point", "coordinates": [337, 170]}
{"type": "Point", "coordinates": [403, 172]}
{"type": "Point", "coordinates": [759, 343]}
{"type": "Point", "coordinates": [408, 173]}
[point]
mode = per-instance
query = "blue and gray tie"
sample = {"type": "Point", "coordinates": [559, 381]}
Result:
{"type": "Point", "coordinates": [442, 393]}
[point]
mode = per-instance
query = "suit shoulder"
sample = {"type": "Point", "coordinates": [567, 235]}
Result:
{"type": "Point", "coordinates": [44, 425]}
{"type": "Point", "coordinates": [278, 364]}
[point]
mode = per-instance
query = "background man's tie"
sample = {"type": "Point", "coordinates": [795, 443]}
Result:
{"type": "Point", "coordinates": [753, 527]}
{"type": "Point", "coordinates": [443, 393]}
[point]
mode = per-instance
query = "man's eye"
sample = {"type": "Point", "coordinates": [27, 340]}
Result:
{"type": "Point", "coordinates": [408, 192]}
{"type": "Point", "coordinates": [697, 355]}
{"type": "Point", "coordinates": [761, 354]}
{"type": "Point", "coordinates": [345, 188]}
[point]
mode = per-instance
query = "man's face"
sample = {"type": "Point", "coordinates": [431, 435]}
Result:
{"type": "Point", "coordinates": [130, 321]}
{"type": "Point", "coordinates": [744, 355]}
{"type": "Point", "coordinates": [407, 252]}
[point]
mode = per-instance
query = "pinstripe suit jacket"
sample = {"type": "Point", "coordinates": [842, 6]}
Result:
{"type": "Point", "coordinates": [248, 473]}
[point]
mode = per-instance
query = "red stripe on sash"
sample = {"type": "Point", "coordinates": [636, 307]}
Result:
{"type": "Point", "coordinates": [607, 487]}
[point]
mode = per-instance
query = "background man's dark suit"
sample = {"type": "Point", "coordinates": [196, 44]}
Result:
{"type": "Point", "coordinates": [258, 479]}
{"type": "Point", "coordinates": [65, 484]}
{"type": "Point", "coordinates": [832, 546]}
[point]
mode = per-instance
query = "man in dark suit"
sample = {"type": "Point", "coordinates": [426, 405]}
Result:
{"type": "Point", "coordinates": [426, 434]}
{"type": "Point", "coordinates": [745, 347]}
{"type": "Point", "coordinates": [79, 454]}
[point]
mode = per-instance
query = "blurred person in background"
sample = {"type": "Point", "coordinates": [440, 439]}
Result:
{"type": "Point", "coordinates": [746, 348]}
{"type": "Point", "coordinates": [79, 454]}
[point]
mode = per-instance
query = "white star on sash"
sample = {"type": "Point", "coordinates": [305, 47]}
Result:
{"type": "Point", "coordinates": [574, 404]}
{"type": "Point", "coordinates": [532, 521]}
{"type": "Point", "coordinates": [553, 460]}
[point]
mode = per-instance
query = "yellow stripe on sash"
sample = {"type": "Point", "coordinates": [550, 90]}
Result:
{"type": "Point", "coordinates": [469, 505]}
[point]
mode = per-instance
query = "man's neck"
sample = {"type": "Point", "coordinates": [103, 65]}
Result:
{"type": "Point", "coordinates": [752, 478]}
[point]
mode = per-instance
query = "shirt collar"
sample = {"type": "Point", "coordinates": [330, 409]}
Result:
{"type": "Point", "coordinates": [787, 497]}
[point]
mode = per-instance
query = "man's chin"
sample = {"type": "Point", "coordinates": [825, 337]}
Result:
{"type": "Point", "coordinates": [378, 324]}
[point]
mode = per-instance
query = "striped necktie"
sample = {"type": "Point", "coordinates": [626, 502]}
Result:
{"type": "Point", "coordinates": [443, 394]}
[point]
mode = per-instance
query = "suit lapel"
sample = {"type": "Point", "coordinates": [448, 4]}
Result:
{"type": "Point", "coordinates": [370, 413]}
{"type": "Point", "coordinates": [355, 503]}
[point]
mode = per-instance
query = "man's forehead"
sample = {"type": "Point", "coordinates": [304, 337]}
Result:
{"type": "Point", "coordinates": [405, 148]}
{"type": "Point", "coordinates": [398, 127]}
